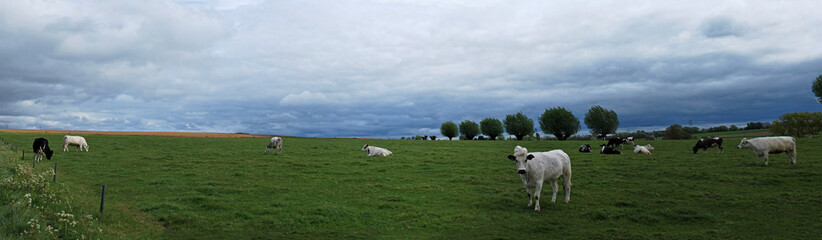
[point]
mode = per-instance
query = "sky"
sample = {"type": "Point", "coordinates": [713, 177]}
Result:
{"type": "Point", "coordinates": [392, 68]}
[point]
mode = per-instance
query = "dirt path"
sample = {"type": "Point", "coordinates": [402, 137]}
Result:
{"type": "Point", "coordinates": [162, 134]}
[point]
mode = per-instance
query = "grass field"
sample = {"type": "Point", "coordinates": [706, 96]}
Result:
{"type": "Point", "coordinates": [733, 133]}
{"type": "Point", "coordinates": [215, 188]}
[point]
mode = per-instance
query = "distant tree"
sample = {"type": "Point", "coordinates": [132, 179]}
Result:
{"type": "Point", "coordinates": [817, 88]}
{"type": "Point", "coordinates": [449, 129]}
{"type": "Point", "coordinates": [676, 132]}
{"type": "Point", "coordinates": [469, 129]}
{"type": "Point", "coordinates": [757, 125]}
{"type": "Point", "coordinates": [518, 125]}
{"type": "Point", "coordinates": [491, 127]}
{"type": "Point", "coordinates": [560, 122]}
{"type": "Point", "coordinates": [601, 121]}
{"type": "Point", "coordinates": [733, 128]}
{"type": "Point", "coordinates": [797, 124]}
{"type": "Point", "coordinates": [691, 130]}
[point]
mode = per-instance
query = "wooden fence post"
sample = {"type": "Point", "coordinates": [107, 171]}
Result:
{"type": "Point", "coordinates": [102, 200]}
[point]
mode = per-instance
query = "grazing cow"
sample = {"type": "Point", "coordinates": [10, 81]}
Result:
{"type": "Point", "coordinates": [433, 137]}
{"type": "Point", "coordinates": [641, 149]}
{"type": "Point", "coordinates": [629, 141]}
{"type": "Point", "coordinates": [74, 141]}
{"type": "Point", "coordinates": [705, 143]}
{"type": "Point", "coordinates": [536, 168]}
{"type": "Point", "coordinates": [376, 151]}
{"type": "Point", "coordinates": [608, 150]}
{"type": "Point", "coordinates": [602, 136]}
{"type": "Point", "coordinates": [586, 148]}
{"type": "Point", "coordinates": [763, 146]}
{"type": "Point", "coordinates": [613, 142]}
{"type": "Point", "coordinates": [41, 147]}
{"type": "Point", "coordinates": [275, 142]}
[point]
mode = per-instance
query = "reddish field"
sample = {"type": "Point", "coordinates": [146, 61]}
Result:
{"type": "Point", "coordinates": [162, 134]}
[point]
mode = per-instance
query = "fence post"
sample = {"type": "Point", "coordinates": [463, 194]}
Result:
{"type": "Point", "coordinates": [55, 171]}
{"type": "Point", "coordinates": [102, 200]}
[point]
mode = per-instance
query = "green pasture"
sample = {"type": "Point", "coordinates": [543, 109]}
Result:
{"type": "Point", "coordinates": [712, 134]}
{"type": "Point", "coordinates": [215, 188]}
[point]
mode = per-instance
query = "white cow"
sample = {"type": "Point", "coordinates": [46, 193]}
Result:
{"type": "Point", "coordinates": [376, 151]}
{"type": "Point", "coordinates": [641, 149]}
{"type": "Point", "coordinates": [78, 141]}
{"type": "Point", "coordinates": [538, 167]}
{"type": "Point", "coordinates": [276, 142]}
{"type": "Point", "coordinates": [764, 145]}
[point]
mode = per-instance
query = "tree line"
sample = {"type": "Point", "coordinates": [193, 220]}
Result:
{"type": "Point", "coordinates": [557, 121]}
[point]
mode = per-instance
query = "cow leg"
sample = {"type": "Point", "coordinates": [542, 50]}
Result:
{"type": "Point", "coordinates": [554, 187]}
{"type": "Point", "coordinates": [566, 186]}
{"type": "Point", "coordinates": [536, 195]}
{"type": "Point", "coordinates": [766, 158]}
{"type": "Point", "coordinates": [530, 200]}
{"type": "Point", "coordinates": [65, 147]}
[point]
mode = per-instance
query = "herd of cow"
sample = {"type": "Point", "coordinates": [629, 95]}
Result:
{"type": "Point", "coordinates": [534, 168]}
{"type": "Point", "coordinates": [41, 146]}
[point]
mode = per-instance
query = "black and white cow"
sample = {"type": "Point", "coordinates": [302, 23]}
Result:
{"type": "Point", "coordinates": [628, 140]}
{"type": "Point", "coordinates": [706, 143]}
{"type": "Point", "coordinates": [613, 142]}
{"type": "Point", "coordinates": [608, 150]}
{"type": "Point", "coordinates": [41, 147]}
{"type": "Point", "coordinates": [585, 148]}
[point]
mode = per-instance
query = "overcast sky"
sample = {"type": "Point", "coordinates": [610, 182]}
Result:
{"type": "Point", "coordinates": [388, 68]}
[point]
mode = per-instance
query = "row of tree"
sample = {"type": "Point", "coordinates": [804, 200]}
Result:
{"type": "Point", "coordinates": [797, 124]}
{"type": "Point", "coordinates": [557, 121]}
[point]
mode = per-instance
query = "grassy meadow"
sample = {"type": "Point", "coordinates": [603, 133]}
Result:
{"type": "Point", "coordinates": [219, 188]}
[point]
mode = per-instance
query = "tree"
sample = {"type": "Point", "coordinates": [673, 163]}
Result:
{"type": "Point", "coordinates": [691, 130]}
{"type": "Point", "coordinates": [733, 128]}
{"type": "Point", "coordinates": [601, 121]}
{"type": "Point", "coordinates": [676, 132]}
{"type": "Point", "coordinates": [469, 129]}
{"type": "Point", "coordinates": [560, 122]}
{"type": "Point", "coordinates": [817, 88]}
{"type": "Point", "coordinates": [797, 124]}
{"type": "Point", "coordinates": [518, 125]}
{"type": "Point", "coordinates": [449, 129]}
{"type": "Point", "coordinates": [491, 127]}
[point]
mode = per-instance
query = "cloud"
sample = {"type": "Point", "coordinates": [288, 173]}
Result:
{"type": "Point", "coordinates": [398, 68]}
{"type": "Point", "coordinates": [303, 99]}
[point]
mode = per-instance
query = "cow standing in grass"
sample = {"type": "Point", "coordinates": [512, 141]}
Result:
{"type": "Point", "coordinates": [275, 142]}
{"type": "Point", "coordinates": [74, 141]}
{"type": "Point", "coordinates": [706, 143]}
{"type": "Point", "coordinates": [765, 145]}
{"type": "Point", "coordinates": [536, 168]}
{"type": "Point", "coordinates": [41, 147]}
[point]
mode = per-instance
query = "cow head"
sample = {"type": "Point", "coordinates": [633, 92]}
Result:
{"type": "Point", "coordinates": [48, 152]}
{"type": "Point", "coordinates": [521, 157]}
{"type": "Point", "coordinates": [365, 148]}
{"type": "Point", "coordinates": [744, 144]}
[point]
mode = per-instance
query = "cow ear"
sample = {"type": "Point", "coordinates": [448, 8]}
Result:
{"type": "Point", "coordinates": [512, 157]}
{"type": "Point", "coordinates": [530, 156]}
